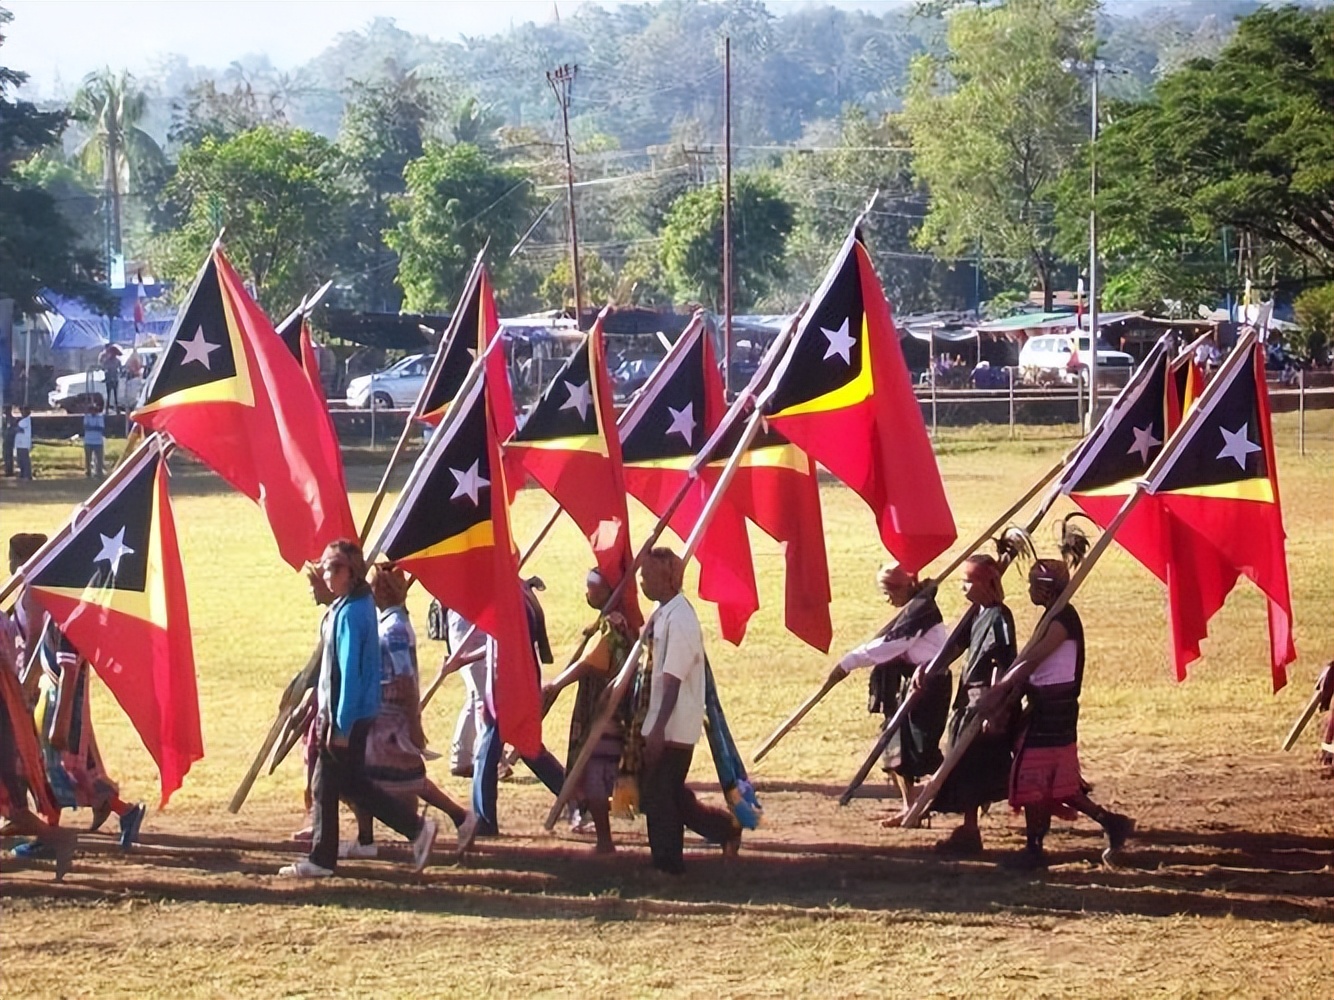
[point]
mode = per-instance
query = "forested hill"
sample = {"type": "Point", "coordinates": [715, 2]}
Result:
{"type": "Point", "coordinates": [646, 70]}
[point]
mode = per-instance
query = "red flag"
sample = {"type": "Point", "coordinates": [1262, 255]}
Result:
{"type": "Point", "coordinates": [570, 446]}
{"type": "Point", "coordinates": [776, 486]}
{"type": "Point", "coordinates": [477, 325]}
{"type": "Point", "coordinates": [1212, 513]}
{"type": "Point", "coordinates": [842, 393]}
{"type": "Point", "coordinates": [669, 421]}
{"type": "Point", "coordinates": [451, 530]}
{"type": "Point", "coordinates": [295, 334]}
{"type": "Point", "coordinates": [227, 390]}
{"type": "Point", "coordinates": [18, 719]}
{"type": "Point", "coordinates": [114, 587]}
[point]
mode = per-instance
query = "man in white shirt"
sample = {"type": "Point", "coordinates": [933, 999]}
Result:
{"type": "Point", "coordinates": [909, 642]}
{"type": "Point", "coordinates": [23, 443]}
{"type": "Point", "coordinates": [675, 721]}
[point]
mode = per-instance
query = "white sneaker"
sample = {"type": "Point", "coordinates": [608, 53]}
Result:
{"type": "Point", "coordinates": [467, 832]}
{"type": "Point", "coordinates": [421, 847]}
{"type": "Point", "coordinates": [304, 869]}
{"type": "Point", "coordinates": [356, 849]}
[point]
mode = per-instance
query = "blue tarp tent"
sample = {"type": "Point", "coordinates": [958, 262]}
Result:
{"type": "Point", "coordinates": [86, 328]}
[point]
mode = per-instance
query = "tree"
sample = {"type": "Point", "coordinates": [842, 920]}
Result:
{"type": "Point", "coordinates": [38, 247]}
{"type": "Point", "coordinates": [994, 122]}
{"type": "Point", "coordinates": [456, 200]}
{"type": "Point", "coordinates": [1244, 142]}
{"type": "Point", "coordinates": [557, 290]}
{"type": "Point", "coordinates": [383, 130]}
{"type": "Point", "coordinates": [692, 242]}
{"type": "Point", "coordinates": [279, 194]}
{"type": "Point", "coordinates": [116, 150]}
{"type": "Point", "coordinates": [830, 185]}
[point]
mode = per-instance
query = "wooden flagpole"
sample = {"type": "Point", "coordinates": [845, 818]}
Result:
{"type": "Point", "coordinates": [1240, 354]}
{"type": "Point", "coordinates": [1308, 713]}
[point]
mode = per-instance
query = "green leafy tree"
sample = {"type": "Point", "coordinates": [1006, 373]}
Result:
{"type": "Point", "coordinates": [1244, 142]}
{"type": "Point", "coordinates": [117, 151]}
{"type": "Point", "coordinates": [692, 242]}
{"type": "Point", "coordinates": [456, 200]}
{"type": "Point", "coordinates": [1314, 310]}
{"type": "Point", "coordinates": [279, 194]}
{"type": "Point", "coordinates": [39, 248]}
{"type": "Point", "coordinates": [994, 122]}
{"type": "Point", "coordinates": [599, 283]}
{"type": "Point", "coordinates": [383, 130]}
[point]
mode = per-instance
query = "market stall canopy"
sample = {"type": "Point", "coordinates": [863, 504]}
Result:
{"type": "Point", "coordinates": [79, 326]}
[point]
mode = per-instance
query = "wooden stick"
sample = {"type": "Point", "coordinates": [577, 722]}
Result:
{"type": "Point", "coordinates": [1308, 713]}
{"type": "Point", "coordinates": [291, 696]}
{"type": "Point", "coordinates": [790, 723]}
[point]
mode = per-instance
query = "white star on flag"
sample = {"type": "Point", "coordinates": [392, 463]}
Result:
{"type": "Point", "coordinates": [113, 550]}
{"type": "Point", "coordinates": [1144, 443]}
{"type": "Point", "coordinates": [683, 423]}
{"type": "Point", "coordinates": [470, 482]}
{"type": "Point", "coordinates": [1237, 445]}
{"type": "Point", "coordinates": [840, 342]}
{"type": "Point", "coordinates": [198, 349]}
{"type": "Point", "coordinates": [580, 399]}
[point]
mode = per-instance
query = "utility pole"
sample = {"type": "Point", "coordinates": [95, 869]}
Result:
{"type": "Point", "coordinates": [727, 216]}
{"type": "Point", "coordinates": [561, 80]}
{"type": "Point", "coordinates": [1093, 252]}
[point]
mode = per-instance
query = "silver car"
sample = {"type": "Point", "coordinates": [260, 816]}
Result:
{"type": "Point", "coordinates": [395, 388]}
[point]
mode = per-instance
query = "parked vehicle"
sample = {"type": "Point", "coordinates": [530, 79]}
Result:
{"type": "Point", "coordinates": [1052, 355]}
{"type": "Point", "coordinates": [74, 392]}
{"type": "Point", "coordinates": [395, 388]}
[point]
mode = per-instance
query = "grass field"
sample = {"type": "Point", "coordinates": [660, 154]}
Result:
{"type": "Point", "coordinates": [1226, 892]}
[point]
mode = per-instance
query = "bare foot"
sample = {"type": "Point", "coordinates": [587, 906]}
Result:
{"type": "Point", "coordinates": [893, 820]}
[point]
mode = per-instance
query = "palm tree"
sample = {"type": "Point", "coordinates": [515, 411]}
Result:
{"type": "Point", "coordinates": [111, 105]}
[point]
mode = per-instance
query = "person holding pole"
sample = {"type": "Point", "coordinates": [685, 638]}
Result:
{"type": "Point", "coordinates": [349, 699]}
{"type": "Point", "coordinates": [592, 673]}
{"type": "Point", "coordinates": [1324, 686]}
{"type": "Point", "coordinates": [1046, 780]}
{"type": "Point", "coordinates": [982, 776]}
{"type": "Point", "coordinates": [911, 640]}
{"type": "Point", "coordinates": [675, 721]}
{"type": "Point", "coordinates": [468, 650]}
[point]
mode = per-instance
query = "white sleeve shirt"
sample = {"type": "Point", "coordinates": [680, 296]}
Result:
{"type": "Point", "coordinates": [678, 650]}
{"type": "Point", "coordinates": [918, 650]}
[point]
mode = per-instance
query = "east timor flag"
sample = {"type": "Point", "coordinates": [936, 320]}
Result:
{"type": "Point", "coordinates": [570, 446]}
{"type": "Point", "coordinates": [458, 351]}
{"type": "Point", "coordinates": [294, 332]}
{"type": "Point", "coordinates": [114, 587]}
{"type": "Point", "coordinates": [842, 393]}
{"type": "Point", "coordinates": [450, 529]}
{"type": "Point", "coordinates": [1219, 487]}
{"type": "Point", "coordinates": [661, 431]}
{"type": "Point", "coordinates": [775, 485]}
{"type": "Point", "coordinates": [228, 390]}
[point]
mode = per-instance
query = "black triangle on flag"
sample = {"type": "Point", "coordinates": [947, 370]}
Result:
{"type": "Point", "coordinates": [202, 347]}
{"type": "Point", "coordinates": [1227, 441]}
{"type": "Point", "coordinates": [566, 408]}
{"type": "Point", "coordinates": [109, 548]}
{"type": "Point", "coordinates": [668, 420]}
{"type": "Point", "coordinates": [451, 493]}
{"type": "Point", "coordinates": [828, 350]}
{"type": "Point", "coordinates": [1131, 435]}
{"type": "Point", "coordinates": [460, 350]}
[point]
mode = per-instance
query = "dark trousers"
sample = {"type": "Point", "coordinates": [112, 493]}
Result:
{"type": "Point", "coordinates": [485, 777]}
{"type": "Point", "coordinates": [25, 463]}
{"type": "Point", "coordinates": [671, 807]}
{"type": "Point", "coordinates": [339, 775]}
{"type": "Point", "coordinates": [9, 455]}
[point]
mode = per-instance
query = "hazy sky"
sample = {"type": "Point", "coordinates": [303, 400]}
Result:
{"type": "Point", "coordinates": [57, 42]}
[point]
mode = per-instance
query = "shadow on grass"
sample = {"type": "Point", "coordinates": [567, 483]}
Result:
{"type": "Point", "coordinates": [1167, 874]}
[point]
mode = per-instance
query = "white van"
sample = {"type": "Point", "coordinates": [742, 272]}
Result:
{"type": "Point", "coordinates": [1042, 357]}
